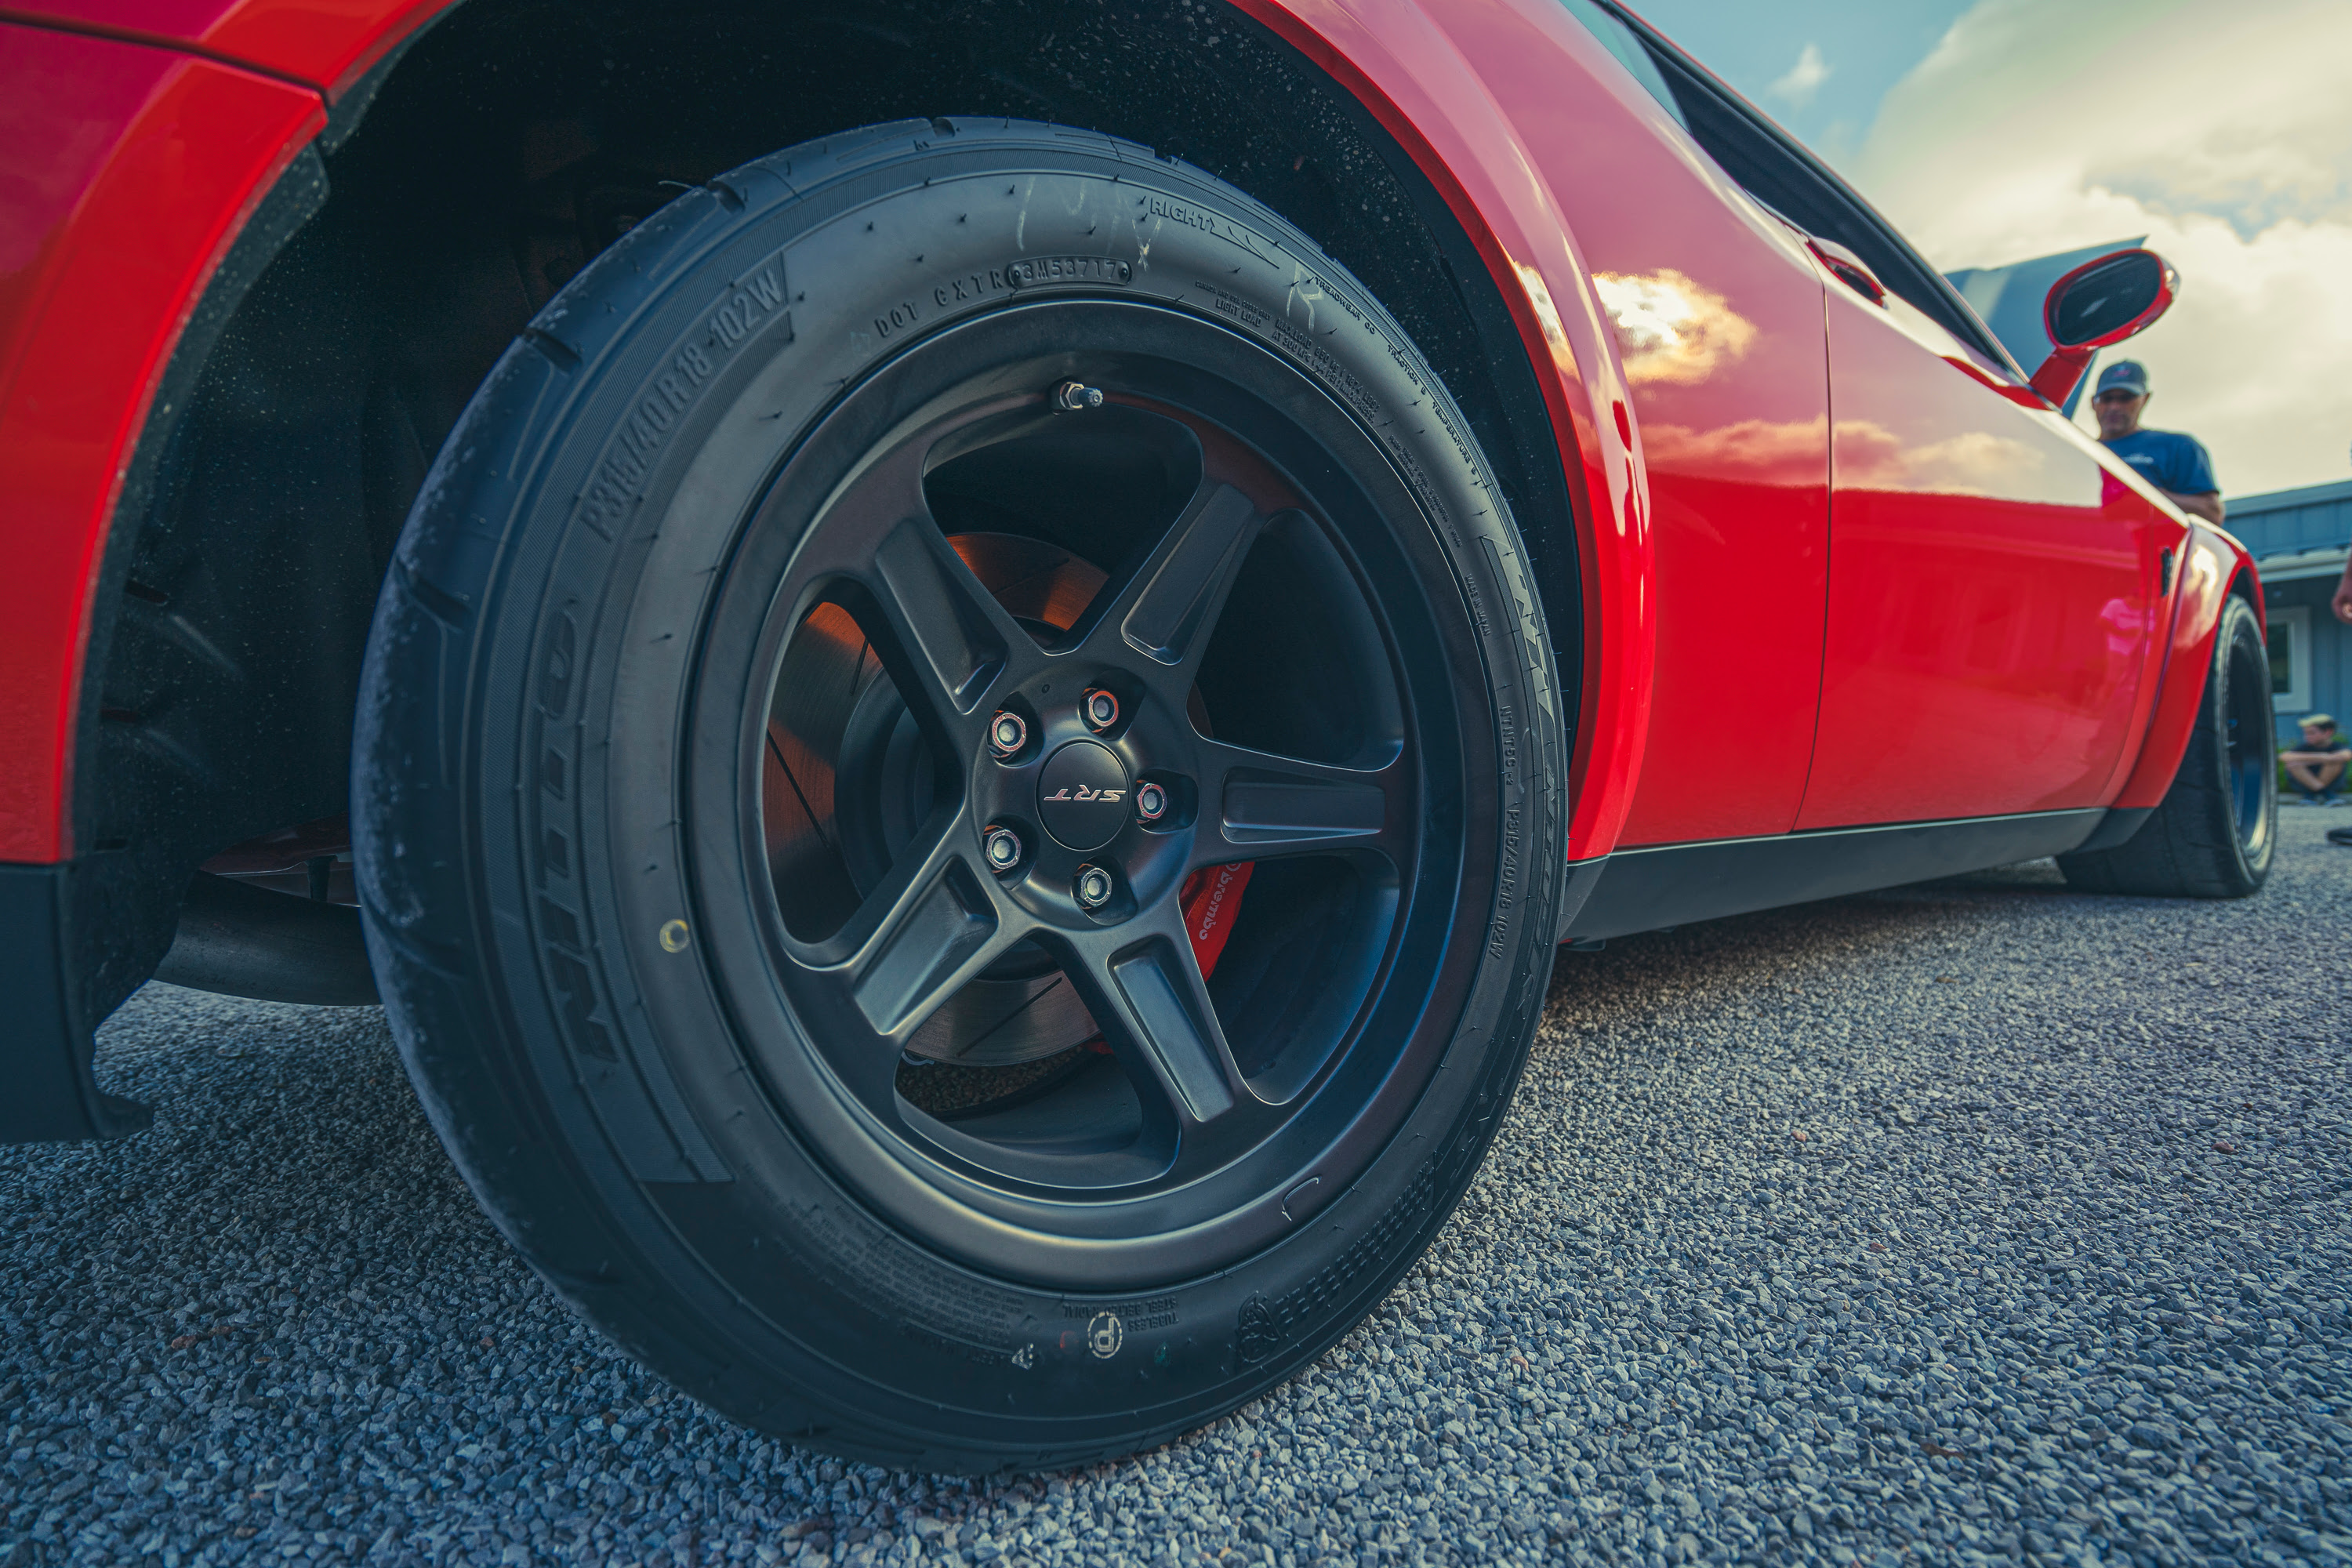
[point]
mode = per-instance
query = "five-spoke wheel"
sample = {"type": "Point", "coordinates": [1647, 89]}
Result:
{"type": "Point", "coordinates": [1032, 810]}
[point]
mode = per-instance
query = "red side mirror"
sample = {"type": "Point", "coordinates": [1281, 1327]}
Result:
{"type": "Point", "coordinates": [2100, 303]}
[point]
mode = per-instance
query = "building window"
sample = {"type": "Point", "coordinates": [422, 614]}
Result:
{"type": "Point", "coordinates": [2290, 640]}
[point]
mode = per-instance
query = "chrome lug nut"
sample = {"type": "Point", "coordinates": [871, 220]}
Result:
{"type": "Point", "coordinates": [1100, 709]}
{"type": "Point", "coordinates": [1002, 848]}
{"type": "Point", "coordinates": [1093, 887]}
{"type": "Point", "coordinates": [1151, 802]}
{"type": "Point", "coordinates": [1007, 734]}
{"type": "Point", "coordinates": [1077, 397]}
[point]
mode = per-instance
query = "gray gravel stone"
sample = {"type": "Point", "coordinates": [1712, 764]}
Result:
{"type": "Point", "coordinates": [1976, 1222]}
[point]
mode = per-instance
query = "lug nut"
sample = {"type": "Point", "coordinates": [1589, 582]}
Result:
{"type": "Point", "coordinates": [1002, 848]}
{"type": "Point", "coordinates": [1076, 397]}
{"type": "Point", "coordinates": [1100, 707]}
{"type": "Point", "coordinates": [1093, 887]}
{"type": "Point", "coordinates": [1151, 802]}
{"type": "Point", "coordinates": [1007, 734]}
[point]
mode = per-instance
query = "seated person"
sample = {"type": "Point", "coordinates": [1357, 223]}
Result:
{"type": "Point", "coordinates": [2317, 765]}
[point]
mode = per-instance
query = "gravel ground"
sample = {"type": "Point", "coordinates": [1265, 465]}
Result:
{"type": "Point", "coordinates": [1972, 1221]}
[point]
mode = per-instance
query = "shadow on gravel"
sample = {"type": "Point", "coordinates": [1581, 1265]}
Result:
{"type": "Point", "coordinates": [1976, 1221]}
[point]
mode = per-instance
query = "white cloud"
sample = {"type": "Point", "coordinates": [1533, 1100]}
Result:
{"type": "Point", "coordinates": [1804, 78]}
{"type": "Point", "coordinates": [2221, 129]}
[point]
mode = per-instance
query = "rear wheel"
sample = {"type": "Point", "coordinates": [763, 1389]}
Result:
{"type": "Point", "coordinates": [958, 797]}
{"type": "Point", "coordinates": [2213, 834]}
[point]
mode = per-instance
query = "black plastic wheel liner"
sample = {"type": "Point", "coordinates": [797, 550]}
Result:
{"type": "Point", "coordinates": [845, 519]}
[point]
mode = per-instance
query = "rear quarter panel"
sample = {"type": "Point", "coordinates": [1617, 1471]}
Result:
{"type": "Point", "coordinates": [1446, 82]}
{"type": "Point", "coordinates": [327, 43]}
{"type": "Point", "coordinates": [167, 154]}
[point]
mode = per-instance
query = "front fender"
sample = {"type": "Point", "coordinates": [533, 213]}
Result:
{"type": "Point", "coordinates": [2212, 566]}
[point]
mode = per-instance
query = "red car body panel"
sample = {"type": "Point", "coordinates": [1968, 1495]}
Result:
{"type": "Point", "coordinates": [325, 44]}
{"type": "Point", "coordinates": [1993, 594]}
{"type": "Point", "coordinates": [130, 169]}
{"type": "Point", "coordinates": [1717, 313]}
{"type": "Point", "coordinates": [1437, 78]}
{"type": "Point", "coordinates": [1704, 644]}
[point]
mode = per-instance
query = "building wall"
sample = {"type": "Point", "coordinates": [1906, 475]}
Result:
{"type": "Point", "coordinates": [2298, 539]}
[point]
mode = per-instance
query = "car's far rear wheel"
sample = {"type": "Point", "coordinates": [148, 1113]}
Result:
{"type": "Point", "coordinates": [2213, 834]}
{"type": "Point", "coordinates": [958, 797]}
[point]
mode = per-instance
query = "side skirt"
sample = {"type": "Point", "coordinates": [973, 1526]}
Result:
{"type": "Point", "coordinates": [1675, 884]}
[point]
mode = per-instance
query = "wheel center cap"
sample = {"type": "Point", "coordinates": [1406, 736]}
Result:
{"type": "Point", "coordinates": [1082, 795]}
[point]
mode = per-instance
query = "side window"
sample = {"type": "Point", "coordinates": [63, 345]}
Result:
{"type": "Point", "coordinates": [1774, 168]}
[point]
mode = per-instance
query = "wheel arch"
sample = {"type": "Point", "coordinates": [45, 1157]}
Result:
{"type": "Point", "coordinates": [2214, 569]}
{"type": "Point", "coordinates": [318, 387]}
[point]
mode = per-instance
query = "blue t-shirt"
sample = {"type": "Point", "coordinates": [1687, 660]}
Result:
{"type": "Point", "coordinates": [2167, 459]}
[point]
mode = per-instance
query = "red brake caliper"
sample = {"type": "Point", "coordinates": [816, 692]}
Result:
{"type": "Point", "coordinates": [1211, 897]}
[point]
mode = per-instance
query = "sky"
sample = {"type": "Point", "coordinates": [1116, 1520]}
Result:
{"type": "Point", "coordinates": [1996, 131]}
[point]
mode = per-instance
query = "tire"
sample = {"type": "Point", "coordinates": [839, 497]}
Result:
{"type": "Point", "coordinates": [674, 767]}
{"type": "Point", "coordinates": [2213, 835]}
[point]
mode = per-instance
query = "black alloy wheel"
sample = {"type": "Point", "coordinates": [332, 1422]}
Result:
{"type": "Point", "coordinates": [966, 867]}
{"type": "Point", "coordinates": [2215, 832]}
{"type": "Point", "coordinates": [901, 944]}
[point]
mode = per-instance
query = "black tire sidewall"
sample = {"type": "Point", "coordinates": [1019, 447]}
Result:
{"type": "Point", "coordinates": [520, 837]}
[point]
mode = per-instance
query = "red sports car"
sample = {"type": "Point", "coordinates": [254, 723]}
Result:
{"type": "Point", "coordinates": [956, 666]}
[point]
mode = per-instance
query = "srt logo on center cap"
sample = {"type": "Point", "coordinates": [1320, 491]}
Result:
{"type": "Point", "coordinates": [1081, 794]}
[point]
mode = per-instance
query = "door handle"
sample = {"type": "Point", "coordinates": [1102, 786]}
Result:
{"type": "Point", "coordinates": [1849, 270]}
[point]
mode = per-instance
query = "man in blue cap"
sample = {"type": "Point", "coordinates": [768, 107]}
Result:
{"type": "Point", "coordinates": [2173, 463]}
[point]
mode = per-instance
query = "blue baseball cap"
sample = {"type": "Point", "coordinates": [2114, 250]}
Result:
{"type": "Point", "coordinates": [2123, 375]}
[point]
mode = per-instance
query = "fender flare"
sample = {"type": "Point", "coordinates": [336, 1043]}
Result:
{"type": "Point", "coordinates": [2213, 566]}
{"type": "Point", "coordinates": [129, 289]}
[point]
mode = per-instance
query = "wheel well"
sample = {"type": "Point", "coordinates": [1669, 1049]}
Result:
{"type": "Point", "coordinates": [507, 147]}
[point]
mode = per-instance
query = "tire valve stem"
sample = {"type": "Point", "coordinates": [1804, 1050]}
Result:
{"type": "Point", "coordinates": [1093, 887]}
{"type": "Point", "coordinates": [1007, 734]}
{"type": "Point", "coordinates": [1151, 802]}
{"type": "Point", "coordinates": [1002, 848]}
{"type": "Point", "coordinates": [1077, 397]}
{"type": "Point", "coordinates": [1100, 707]}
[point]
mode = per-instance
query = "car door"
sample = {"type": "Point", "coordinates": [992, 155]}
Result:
{"type": "Point", "coordinates": [1992, 577]}
{"type": "Point", "coordinates": [1717, 313]}
{"type": "Point", "coordinates": [1993, 585]}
